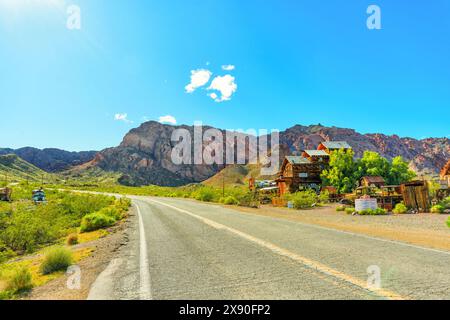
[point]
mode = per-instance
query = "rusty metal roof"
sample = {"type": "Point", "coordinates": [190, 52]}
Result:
{"type": "Point", "coordinates": [316, 153]}
{"type": "Point", "coordinates": [336, 145]}
{"type": "Point", "coordinates": [297, 160]}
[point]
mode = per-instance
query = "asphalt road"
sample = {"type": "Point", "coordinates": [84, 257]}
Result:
{"type": "Point", "coordinates": [182, 249]}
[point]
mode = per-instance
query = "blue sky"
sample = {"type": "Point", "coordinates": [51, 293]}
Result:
{"type": "Point", "coordinates": [296, 62]}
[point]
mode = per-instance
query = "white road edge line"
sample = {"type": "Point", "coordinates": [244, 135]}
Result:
{"type": "Point", "coordinates": [286, 253]}
{"type": "Point", "coordinates": [144, 269]}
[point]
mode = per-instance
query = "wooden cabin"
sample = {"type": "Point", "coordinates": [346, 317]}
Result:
{"type": "Point", "coordinates": [372, 181]}
{"type": "Point", "coordinates": [299, 173]}
{"type": "Point", "coordinates": [445, 173]}
{"type": "Point", "coordinates": [329, 146]}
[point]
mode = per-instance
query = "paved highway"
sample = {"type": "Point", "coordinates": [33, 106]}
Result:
{"type": "Point", "coordinates": [183, 249]}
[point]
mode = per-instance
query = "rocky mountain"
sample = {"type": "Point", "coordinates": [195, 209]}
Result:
{"type": "Point", "coordinates": [51, 160]}
{"type": "Point", "coordinates": [144, 156]}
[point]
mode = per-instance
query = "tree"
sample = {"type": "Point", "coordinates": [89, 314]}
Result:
{"type": "Point", "coordinates": [399, 172]}
{"type": "Point", "coordinates": [341, 173]}
{"type": "Point", "coordinates": [372, 164]}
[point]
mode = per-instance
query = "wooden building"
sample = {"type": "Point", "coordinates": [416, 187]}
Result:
{"type": "Point", "coordinates": [316, 156]}
{"type": "Point", "coordinates": [416, 195]}
{"type": "Point", "coordinates": [445, 173]}
{"type": "Point", "coordinates": [298, 173]}
{"type": "Point", "coordinates": [372, 181]}
{"type": "Point", "coordinates": [329, 146]}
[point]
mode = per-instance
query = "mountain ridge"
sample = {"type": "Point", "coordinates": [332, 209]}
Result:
{"type": "Point", "coordinates": [143, 156]}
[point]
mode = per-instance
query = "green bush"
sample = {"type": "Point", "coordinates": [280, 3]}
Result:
{"type": "Point", "coordinates": [206, 194]}
{"type": "Point", "coordinates": [400, 208]}
{"type": "Point", "coordinates": [56, 259]}
{"type": "Point", "coordinates": [349, 210]}
{"type": "Point", "coordinates": [324, 196]}
{"type": "Point", "coordinates": [340, 208]}
{"type": "Point", "coordinates": [20, 281]}
{"type": "Point", "coordinates": [448, 222]}
{"type": "Point", "coordinates": [95, 221]}
{"type": "Point", "coordinates": [437, 209]}
{"type": "Point", "coordinates": [373, 212]}
{"type": "Point", "coordinates": [303, 199]}
{"type": "Point", "coordinates": [112, 212]}
{"type": "Point", "coordinates": [230, 200]}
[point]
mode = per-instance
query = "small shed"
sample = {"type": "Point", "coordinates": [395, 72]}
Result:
{"type": "Point", "coordinates": [416, 195]}
{"type": "Point", "coordinates": [372, 181]}
{"type": "Point", "coordinates": [329, 146]}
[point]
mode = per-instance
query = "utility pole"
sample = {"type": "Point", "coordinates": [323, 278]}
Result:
{"type": "Point", "coordinates": [223, 182]}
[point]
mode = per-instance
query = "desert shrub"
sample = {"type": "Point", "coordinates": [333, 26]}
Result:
{"type": "Point", "coordinates": [26, 230]}
{"type": "Point", "coordinates": [349, 210]}
{"type": "Point", "coordinates": [303, 199]}
{"type": "Point", "coordinates": [448, 222]}
{"type": "Point", "coordinates": [340, 208]}
{"type": "Point", "coordinates": [112, 212]}
{"type": "Point", "coordinates": [446, 203]}
{"type": "Point", "coordinates": [56, 259]}
{"type": "Point", "coordinates": [230, 200]}
{"type": "Point", "coordinates": [80, 205]}
{"type": "Point", "coordinates": [95, 221]}
{"type": "Point", "coordinates": [206, 194]}
{"type": "Point", "coordinates": [400, 208]}
{"type": "Point", "coordinates": [19, 281]}
{"type": "Point", "coordinates": [72, 239]}
{"type": "Point", "coordinates": [437, 209]}
{"type": "Point", "coordinates": [122, 204]}
{"type": "Point", "coordinates": [373, 212]}
{"type": "Point", "coordinates": [324, 196]}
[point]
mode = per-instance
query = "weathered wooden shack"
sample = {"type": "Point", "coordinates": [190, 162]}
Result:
{"type": "Point", "coordinates": [416, 195]}
{"type": "Point", "coordinates": [372, 181]}
{"type": "Point", "coordinates": [299, 173]}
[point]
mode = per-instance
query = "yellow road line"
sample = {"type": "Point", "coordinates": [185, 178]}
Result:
{"type": "Point", "coordinates": [293, 256]}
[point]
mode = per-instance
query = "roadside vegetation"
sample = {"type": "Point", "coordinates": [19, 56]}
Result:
{"type": "Point", "coordinates": [230, 195]}
{"type": "Point", "coordinates": [26, 228]}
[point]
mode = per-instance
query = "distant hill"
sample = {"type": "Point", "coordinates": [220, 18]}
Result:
{"type": "Point", "coordinates": [17, 169]}
{"type": "Point", "coordinates": [51, 160]}
{"type": "Point", "coordinates": [144, 156]}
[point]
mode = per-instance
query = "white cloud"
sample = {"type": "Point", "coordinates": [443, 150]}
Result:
{"type": "Point", "coordinates": [228, 67]}
{"type": "Point", "coordinates": [199, 78]}
{"type": "Point", "coordinates": [168, 119]}
{"type": "Point", "coordinates": [225, 85]}
{"type": "Point", "coordinates": [122, 117]}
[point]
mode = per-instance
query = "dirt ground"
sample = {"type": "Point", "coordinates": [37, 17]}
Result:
{"type": "Point", "coordinates": [429, 230]}
{"type": "Point", "coordinates": [91, 267]}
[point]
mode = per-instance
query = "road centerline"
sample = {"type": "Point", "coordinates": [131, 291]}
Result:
{"type": "Point", "coordinates": [286, 253]}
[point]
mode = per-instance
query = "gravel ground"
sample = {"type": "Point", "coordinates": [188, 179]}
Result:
{"type": "Point", "coordinates": [421, 229]}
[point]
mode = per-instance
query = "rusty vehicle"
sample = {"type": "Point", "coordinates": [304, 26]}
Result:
{"type": "Point", "coordinates": [5, 194]}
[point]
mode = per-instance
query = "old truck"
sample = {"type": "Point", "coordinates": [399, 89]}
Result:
{"type": "Point", "coordinates": [5, 194]}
